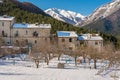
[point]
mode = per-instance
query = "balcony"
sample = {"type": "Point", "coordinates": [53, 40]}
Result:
{"type": "Point", "coordinates": [35, 34]}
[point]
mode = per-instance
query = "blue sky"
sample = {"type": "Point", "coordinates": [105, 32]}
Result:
{"type": "Point", "coordinates": [85, 7]}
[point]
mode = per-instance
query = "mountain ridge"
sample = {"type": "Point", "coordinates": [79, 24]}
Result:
{"type": "Point", "coordinates": [106, 19]}
{"type": "Point", "coordinates": [65, 16]}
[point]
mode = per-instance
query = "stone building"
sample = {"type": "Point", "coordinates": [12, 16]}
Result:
{"type": "Point", "coordinates": [31, 33]}
{"type": "Point", "coordinates": [67, 39]}
{"type": "Point", "coordinates": [6, 23]}
{"type": "Point", "coordinates": [91, 39]}
{"type": "Point", "coordinates": [12, 32]}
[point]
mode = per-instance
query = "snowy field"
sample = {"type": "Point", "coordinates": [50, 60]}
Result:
{"type": "Point", "coordinates": [26, 70]}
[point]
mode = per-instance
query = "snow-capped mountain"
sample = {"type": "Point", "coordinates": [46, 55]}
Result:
{"type": "Point", "coordinates": [65, 16]}
{"type": "Point", "coordinates": [105, 19]}
{"type": "Point", "coordinates": [103, 11]}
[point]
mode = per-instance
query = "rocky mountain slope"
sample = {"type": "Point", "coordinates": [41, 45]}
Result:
{"type": "Point", "coordinates": [65, 16]}
{"type": "Point", "coordinates": [103, 11]}
{"type": "Point", "coordinates": [105, 19]}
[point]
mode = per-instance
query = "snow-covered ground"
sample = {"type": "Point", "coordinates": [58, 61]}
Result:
{"type": "Point", "coordinates": [26, 70]}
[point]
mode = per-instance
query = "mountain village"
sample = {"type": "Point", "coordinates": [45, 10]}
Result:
{"type": "Point", "coordinates": [13, 33]}
{"type": "Point", "coordinates": [52, 44]}
{"type": "Point", "coordinates": [37, 43]}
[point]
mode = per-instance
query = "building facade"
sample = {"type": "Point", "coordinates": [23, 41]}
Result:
{"type": "Point", "coordinates": [67, 39]}
{"type": "Point", "coordinates": [31, 33]}
{"type": "Point", "coordinates": [6, 23]}
{"type": "Point", "coordinates": [91, 39]}
{"type": "Point", "coordinates": [12, 32]}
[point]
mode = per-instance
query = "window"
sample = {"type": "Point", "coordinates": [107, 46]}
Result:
{"type": "Point", "coordinates": [81, 42]}
{"type": "Point", "coordinates": [3, 33]}
{"type": "Point", "coordinates": [16, 34]}
{"type": "Point", "coordinates": [35, 41]}
{"type": "Point", "coordinates": [70, 40]}
{"type": "Point", "coordinates": [26, 32]}
{"type": "Point", "coordinates": [3, 24]}
{"type": "Point", "coordinates": [96, 43]}
{"type": "Point", "coordinates": [63, 40]}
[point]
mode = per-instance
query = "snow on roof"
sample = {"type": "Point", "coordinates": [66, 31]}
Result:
{"type": "Point", "coordinates": [25, 25]}
{"type": "Point", "coordinates": [96, 38]}
{"type": "Point", "coordinates": [89, 37]}
{"type": "Point", "coordinates": [82, 38]}
{"type": "Point", "coordinates": [39, 26]}
{"type": "Point", "coordinates": [6, 18]}
{"type": "Point", "coordinates": [66, 34]}
{"type": "Point", "coordinates": [19, 25]}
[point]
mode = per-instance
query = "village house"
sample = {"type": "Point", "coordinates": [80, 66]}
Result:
{"type": "Point", "coordinates": [31, 33]}
{"type": "Point", "coordinates": [67, 39]}
{"type": "Point", "coordinates": [6, 23]}
{"type": "Point", "coordinates": [91, 39]}
{"type": "Point", "coordinates": [12, 32]}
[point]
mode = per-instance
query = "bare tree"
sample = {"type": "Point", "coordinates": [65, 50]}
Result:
{"type": "Point", "coordinates": [109, 54]}
{"type": "Point", "coordinates": [77, 52]}
{"type": "Point", "coordinates": [94, 54]}
{"type": "Point", "coordinates": [35, 54]}
{"type": "Point", "coordinates": [59, 50]}
{"type": "Point", "coordinates": [41, 51]}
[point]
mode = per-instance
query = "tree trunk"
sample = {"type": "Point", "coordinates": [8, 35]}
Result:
{"type": "Point", "coordinates": [75, 60]}
{"type": "Point", "coordinates": [47, 61]}
{"type": "Point", "coordinates": [59, 56]}
{"type": "Point", "coordinates": [49, 56]}
{"type": "Point", "coordinates": [89, 61]}
{"type": "Point", "coordinates": [37, 63]}
{"type": "Point", "coordinates": [95, 66]}
{"type": "Point", "coordinates": [84, 59]}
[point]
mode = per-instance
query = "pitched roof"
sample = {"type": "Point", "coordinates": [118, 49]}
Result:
{"type": "Point", "coordinates": [89, 37]}
{"type": "Point", "coordinates": [66, 34]}
{"type": "Point", "coordinates": [6, 18]}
